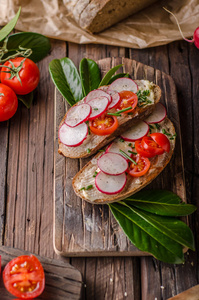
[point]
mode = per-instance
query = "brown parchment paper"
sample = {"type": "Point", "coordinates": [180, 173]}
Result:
{"type": "Point", "coordinates": [151, 27]}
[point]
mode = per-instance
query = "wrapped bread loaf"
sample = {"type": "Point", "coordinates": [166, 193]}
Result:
{"type": "Point", "coordinates": [97, 15]}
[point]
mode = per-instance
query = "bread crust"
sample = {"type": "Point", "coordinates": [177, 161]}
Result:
{"type": "Point", "coordinates": [133, 185]}
{"type": "Point", "coordinates": [95, 142]}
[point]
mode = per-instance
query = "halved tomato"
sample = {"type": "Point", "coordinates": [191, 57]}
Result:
{"type": "Point", "coordinates": [24, 277]}
{"type": "Point", "coordinates": [142, 151]}
{"type": "Point", "coordinates": [150, 145]}
{"type": "Point", "coordinates": [103, 125]}
{"type": "Point", "coordinates": [143, 165]}
{"type": "Point", "coordinates": [128, 99]}
{"type": "Point", "coordinates": [161, 140]}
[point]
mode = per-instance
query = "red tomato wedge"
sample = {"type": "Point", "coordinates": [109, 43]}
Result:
{"type": "Point", "coordinates": [150, 145]}
{"type": "Point", "coordinates": [127, 98]}
{"type": "Point", "coordinates": [143, 165]}
{"type": "Point", "coordinates": [24, 277]}
{"type": "Point", "coordinates": [143, 152]}
{"type": "Point", "coordinates": [103, 125]}
{"type": "Point", "coordinates": [161, 140]}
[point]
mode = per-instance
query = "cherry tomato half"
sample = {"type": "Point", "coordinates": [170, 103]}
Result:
{"type": "Point", "coordinates": [127, 98]}
{"type": "Point", "coordinates": [103, 125]}
{"type": "Point", "coordinates": [161, 140]}
{"type": "Point", "coordinates": [24, 277]}
{"type": "Point", "coordinates": [8, 102]}
{"type": "Point", "coordinates": [28, 74]}
{"type": "Point", "coordinates": [150, 145]}
{"type": "Point", "coordinates": [143, 165]}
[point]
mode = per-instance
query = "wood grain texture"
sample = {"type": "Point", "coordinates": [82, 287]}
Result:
{"type": "Point", "coordinates": [83, 229]}
{"type": "Point", "coordinates": [62, 281]}
{"type": "Point", "coordinates": [120, 278]}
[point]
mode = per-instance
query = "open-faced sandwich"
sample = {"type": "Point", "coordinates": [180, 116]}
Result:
{"type": "Point", "coordinates": [130, 162]}
{"type": "Point", "coordinates": [104, 114]}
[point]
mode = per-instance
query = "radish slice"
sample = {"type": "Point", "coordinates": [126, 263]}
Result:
{"type": "Point", "coordinates": [123, 84]}
{"type": "Point", "coordinates": [78, 114]}
{"type": "Point", "coordinates": [158, 115]}
{"type": "Point", "coordinates": [136, 132]}
{"type": "Point", "coordinates": [115, 99]}
{"type": "Point", "coordinates": [97, 93]}
{"type": "Point", "coordinates": [117, 145]}
{"type": "Point", "coordinates": [73, 136]}
{"type": "Point", "coordinates": [112, 164]}
{"type": "Point", "coordinates": [99, 106]}
{"type": "Point", "coordinates": [109, 184]}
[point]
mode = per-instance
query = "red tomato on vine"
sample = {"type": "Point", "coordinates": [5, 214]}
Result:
{"type": "Point", "coordinates": [20, 74]}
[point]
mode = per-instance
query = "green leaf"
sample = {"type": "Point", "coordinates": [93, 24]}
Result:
{"type": "Point", "coordinates": [39, 44]}
{"type": "Point", "coordinates": [159, 202]}
{"type": "Point", "coordinates": [67, 80]}
{"type": "Point", "coordinates": [89, 74]}
{"type": "Point", "coordinates": [162, 196]}
{"type": "Point", "coordinates": [108, 75]}
{"type": "Point", "coordinates": [163, 209]}
{"type": "Point", "coordinates": [145, 236]}
{"type": "Point", "coordinates": [26, 99]}
{"type": "Point", "coordinates": [10, 26]}
{"type": "Point", "coordinates": [120, 75]}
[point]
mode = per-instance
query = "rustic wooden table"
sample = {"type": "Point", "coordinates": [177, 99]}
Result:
{"type": "Point", "coordinates": [26, 178]}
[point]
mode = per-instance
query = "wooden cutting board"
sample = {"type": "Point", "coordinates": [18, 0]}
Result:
{"type": "Point", "coordinates": [83, 229]}
{"type": "Point", "coordinates": [63, 281]}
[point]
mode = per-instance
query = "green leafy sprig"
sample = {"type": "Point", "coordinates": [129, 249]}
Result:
{"type": "Point", "coordinates": [149, 220]}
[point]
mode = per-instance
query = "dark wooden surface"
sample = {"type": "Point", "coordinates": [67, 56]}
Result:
{"type": "Point", "coordinates": [83, 229]}
{"type": "Point", "coordinates": [26, 178]}
{"type": "Point", "coordinates": [62, 281]}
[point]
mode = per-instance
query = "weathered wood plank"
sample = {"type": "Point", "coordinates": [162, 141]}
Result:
{"type": "Point", "coordinates": [61, 279]}
{"type": "Point", "coordinates": [89, 230]}
{"type": "Point", "coordinates": [3, 174]}
{"type": "Point", "coordinates": [30, 168]}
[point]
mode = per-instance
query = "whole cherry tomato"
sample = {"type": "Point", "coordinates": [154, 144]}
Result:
{"type": "Point", "coordinates": [8, 102]}
{"type": "Point", "coordinates": [24, 277]}
{"type": "Point", "coordinates": [20, 74]}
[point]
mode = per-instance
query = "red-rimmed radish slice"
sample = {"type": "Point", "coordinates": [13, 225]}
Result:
{"type": "Point", "coordinates": [78, 114]}
{"type": "Point", "coordinates": [112, 163]}
{"type": "Point", "coordinates": [115, 99]}
{"type": "Point", "coordinates": [117, 145]}
{"type": "Point", "coordinates": [73, 136]}
{"type": "Point", "coordinates": [123, 84]}
{"type": "Point", "coordinates": [158, 115]}
{"type": "Point", "coordinates": [97, 93]}
{"type": "Point", "coordinates": [109, 184]}
{"type": "Point", "coordinates": [99, 106]}
{"type": "Point", "coordinates": [136, 132]}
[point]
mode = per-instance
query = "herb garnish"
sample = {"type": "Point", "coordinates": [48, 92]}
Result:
{"type": "Point", "coordinates": [88, 150]}
{"type": "Point", "coordinates": [134, 153]}
{"type": "Point", "coordinates": [127, 156]}
{"type": "Point", "coordinates": [142, 98]}
{"type": "Point", "coordinates": [95, 174]}
{"type": "Point", "coordinates": [170, 136]}
{"type": "Point", "coordinates": [87, 188]}
{"type": "Point", "coordinates": [119, 111]}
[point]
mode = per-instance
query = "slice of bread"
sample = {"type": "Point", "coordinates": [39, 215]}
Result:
{"type": "Point", "coordinates": [84, 177]}
{"type": "Point", "coordinates": [95, 142]}
{"type": "Point", "coordinates": [97, 15]}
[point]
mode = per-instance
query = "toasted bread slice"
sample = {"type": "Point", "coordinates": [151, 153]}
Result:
{"type": "Point", "coordinates": [95, 142]}
{"type": "Point", "coordinates": [84, 177]}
